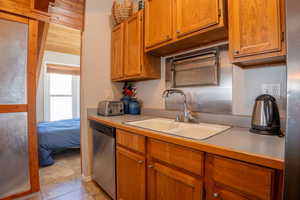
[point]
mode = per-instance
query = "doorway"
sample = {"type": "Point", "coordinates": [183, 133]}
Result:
{"type": "Point", "coordinates": [58, 110]}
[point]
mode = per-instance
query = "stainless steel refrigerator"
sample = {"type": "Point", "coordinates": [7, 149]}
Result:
{"type": "Point", "coordinates": [292, 148]}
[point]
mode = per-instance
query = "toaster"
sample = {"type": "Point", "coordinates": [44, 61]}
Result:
{"type": "Point", "coordinates": [110, 108]}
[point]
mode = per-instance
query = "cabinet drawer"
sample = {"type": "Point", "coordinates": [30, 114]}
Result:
{"type": "Point", "coordinates": [248, 179]}
{"type": "Point", "coordinates": [222, 193]}
{"type": "Point", "coordinates": [131, 141]}
{"type": "Point", "coordinates": [179, 156]}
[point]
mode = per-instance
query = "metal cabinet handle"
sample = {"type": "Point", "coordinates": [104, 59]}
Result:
{"type": "Point", "coordinates": [140, 161]}
{"type": "Point", "coordinates": [150, 166]}
{"type": "Point", "coordinates": [236, 52]}
{"type": "Point", "coordinates": [215, 195]}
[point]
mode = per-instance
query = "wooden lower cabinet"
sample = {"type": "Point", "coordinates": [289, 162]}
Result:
{"type": "Point", "coordinates": [229, 179]}
{"type": "Point", "coordinates": [131, 175]}
{"type": "Point", "coordinates": [175, 172]}
{"type": "Point", "coordinates": [165, 183]}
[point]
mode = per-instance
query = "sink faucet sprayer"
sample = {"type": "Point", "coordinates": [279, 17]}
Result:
{"type": "Point", "coordinates": [187, 114]}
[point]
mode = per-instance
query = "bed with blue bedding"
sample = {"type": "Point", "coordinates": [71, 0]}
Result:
{"type": "Point", "coordinates": [56, 136]}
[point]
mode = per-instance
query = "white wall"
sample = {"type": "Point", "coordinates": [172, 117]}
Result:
{"type": "Point", "coordinates": [54, 58]}
{"type": "Point", "coordinates": [247, 85]}
{"type": "Point", "coordinates": [150, 91]}
{"type": "Point", "coordinates": [96, 84]}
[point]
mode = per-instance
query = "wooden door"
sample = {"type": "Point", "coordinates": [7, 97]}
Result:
{"type": "Point", "coordinates": [133, 45]}
{"type": "Point", "coordinates": [158, 22]}
{"type": "Point", "coordinates": [131, 175]}
{"type": "Point", "coordinates": [165, 183]}
{"type": "Point", "coordinates": [18, 138]}
{"type": "Point", "coordinates": [255, 27]}
{"type": "Point", "coordinates": [117, 52]}
{"type": "Point", "coordinates": [194, 15]}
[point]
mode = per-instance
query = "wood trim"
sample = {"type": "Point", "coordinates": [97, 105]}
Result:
{"type": "Point", "coordinates": [15, 196]}
{"type": "Point", "coordinates": [199, 145]}
{"type": "Point", "coordinates": [63, 69]}
{"type": "Point", "coordinates": [81, 88]}
{"type": "Point", "coordinates": [26, 12]}
{"type": "Point", "coordinates": [13, 18]}
{"type": "Point", "coordinates": [13, 108]}
{"type": "Point", "coordinates": [41, 47]}
{"type": "Point", "coordinates": [31, 98]}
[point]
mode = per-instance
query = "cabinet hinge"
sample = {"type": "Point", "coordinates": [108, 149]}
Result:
{"type": "Point", "coordinates": [282, 36]}
{"type": "Point", "coordinates": [219, 12]}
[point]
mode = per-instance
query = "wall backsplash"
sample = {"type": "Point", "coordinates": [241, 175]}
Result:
{"type": "Point", "coordinates": [235, 95]}
{"type": "Point", "coordinates": [209, 99]}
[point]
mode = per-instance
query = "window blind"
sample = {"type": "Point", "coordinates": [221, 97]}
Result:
{"type": "Point", "coordinates": [63, 69]}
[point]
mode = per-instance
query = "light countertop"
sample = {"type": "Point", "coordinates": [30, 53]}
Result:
{"type": "Point", "coordinates": [236, 142]}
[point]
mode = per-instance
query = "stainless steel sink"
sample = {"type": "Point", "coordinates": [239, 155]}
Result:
{"type": "Point", "coordinates": [199, 131]}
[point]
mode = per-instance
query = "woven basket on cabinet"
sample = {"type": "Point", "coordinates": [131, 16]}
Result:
{"type": "Point", "coordinates": [121, 11]}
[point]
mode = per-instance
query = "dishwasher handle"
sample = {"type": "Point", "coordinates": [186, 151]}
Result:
{"type": "Point", "coordinates": [104, 129]}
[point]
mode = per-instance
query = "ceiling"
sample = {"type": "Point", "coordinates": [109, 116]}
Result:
{"type": "Point", "coordinates": [63, 39]}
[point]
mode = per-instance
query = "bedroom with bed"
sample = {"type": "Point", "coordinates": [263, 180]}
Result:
{"type": "Point", "coordinates": [58, 107]}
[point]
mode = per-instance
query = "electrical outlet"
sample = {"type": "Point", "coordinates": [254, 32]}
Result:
{"type": "Point", "coordinates": [266, 89]}
{"type": "Point", "coordinates": [276, 90]}
{"type": "Point", "coordinates": [271, 89]}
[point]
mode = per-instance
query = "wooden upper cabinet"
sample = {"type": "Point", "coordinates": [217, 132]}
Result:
{"type": "Point", "coordinates": [129, 62]}
{"type": "Point", "coordinates": [158, 22]}
{"type": "Point", "coordinates": [177, 25]}
{"type": "Point", "coordinates": [165, 183]}
{"type": "Point", "coordinates": [256, 29]}
{"type": "Point", "coordinates": [131, 175]}
{"type": "Point", "coordinates": [133, 45]}
{"type": "Point", "coordinates": [117, 50]}
{"type": "Point", "coordinates": [194, 15]}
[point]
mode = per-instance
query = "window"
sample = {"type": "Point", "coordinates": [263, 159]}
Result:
{"type": "Point", "coordinates": [61, 96]}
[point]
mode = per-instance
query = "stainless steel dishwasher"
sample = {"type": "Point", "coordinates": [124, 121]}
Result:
{"type": "Point", "coordinates": [104, 157]}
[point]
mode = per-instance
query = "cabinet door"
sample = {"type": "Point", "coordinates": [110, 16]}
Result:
{"type": "Point", "coordinates": [193, 15]}
{"type": "Point", "coordinates": [117, 50]}
{"type": "Point", "coordinates": [133, 45]}
{"type": "Point", "coordinates": [255, 27]}
{"type": "Point", "coordinates": [131, 174]}
{"type": "Point", "coordinates": [165, 183]}
{"type": "Point", "coordinates": [158, 22]}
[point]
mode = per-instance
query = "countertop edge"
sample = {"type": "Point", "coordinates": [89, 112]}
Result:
{"type": "Point", "coordinates": [198, 145]}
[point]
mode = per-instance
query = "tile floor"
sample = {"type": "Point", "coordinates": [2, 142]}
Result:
{"type": "Point", "coordinates": [62, 181]}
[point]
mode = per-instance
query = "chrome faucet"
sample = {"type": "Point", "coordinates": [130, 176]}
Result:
{"type": "Point", "coordinates": [187, 114]}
